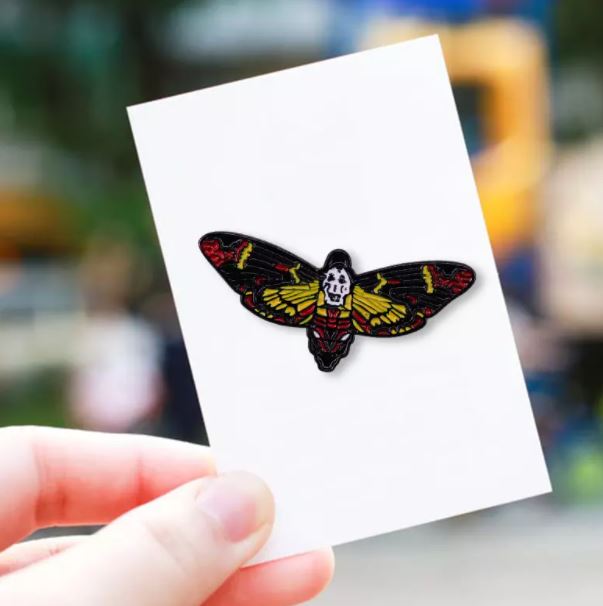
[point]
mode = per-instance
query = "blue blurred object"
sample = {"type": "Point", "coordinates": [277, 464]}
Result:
{"type": "Point", "coordinates": [518, 275]}
{"type": "Point", "coordinates": [449, 10]}
{"type": "Point", "coordinates": [459, 10]}
{"type": "Point", "coordinates": [351, 17]}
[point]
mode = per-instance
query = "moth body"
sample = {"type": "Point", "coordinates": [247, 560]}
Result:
{"type": "Point", "coordinates": [331, 334]}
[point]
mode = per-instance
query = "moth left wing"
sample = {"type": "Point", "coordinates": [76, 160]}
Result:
{"type": "Point", "coordinates": [292, 304]}
{"type": "Point", "coordinates": [273, 283]}
{"type": "Point", "coordinates": [397, 300]}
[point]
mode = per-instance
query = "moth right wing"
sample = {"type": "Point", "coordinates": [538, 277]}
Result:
{"type": "Point", "coordinates": [398, 300]}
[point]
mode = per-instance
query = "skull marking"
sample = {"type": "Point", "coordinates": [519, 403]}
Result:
{"type": "Point", "coordinates": [336, 285]}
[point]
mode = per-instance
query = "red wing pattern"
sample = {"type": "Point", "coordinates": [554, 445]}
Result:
{"type": "Point", "coordinates": [399, 299]}
{"type": "Point", "coordinates": [272, 282]}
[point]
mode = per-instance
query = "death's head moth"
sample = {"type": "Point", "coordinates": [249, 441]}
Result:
{"type": "Point", "coordinates": [333, 303]}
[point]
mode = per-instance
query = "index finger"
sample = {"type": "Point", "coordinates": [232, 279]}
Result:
{"type": "Point", "coordinates": [61, 477]}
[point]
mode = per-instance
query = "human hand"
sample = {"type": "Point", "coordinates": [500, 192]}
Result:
{"type": "Point", "coordinates": [173, 539]}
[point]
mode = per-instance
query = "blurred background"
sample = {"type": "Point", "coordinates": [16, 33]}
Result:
{"type": "Point", "coordinates": [88, 332]}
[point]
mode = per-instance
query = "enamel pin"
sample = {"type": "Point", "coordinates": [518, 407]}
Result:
{"type": "Point", "coordinates": [333, 304]}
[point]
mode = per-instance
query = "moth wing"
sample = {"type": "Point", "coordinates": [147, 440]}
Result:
{"type": "Point", "coordinates": [272, 282]}
{"type": "Point", "coordinates": [397, 300]}
{"type": "Point", "coordinates": [291, 304]}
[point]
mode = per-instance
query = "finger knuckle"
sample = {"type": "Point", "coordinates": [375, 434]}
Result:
{"type": "Point", "coordinates": [172, 545]}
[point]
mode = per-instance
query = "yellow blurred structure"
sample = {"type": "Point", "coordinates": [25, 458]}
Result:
{"type": "Point", "coordinates": [32, 222]}
{"type": "Point", "coordinates": [506, 60]}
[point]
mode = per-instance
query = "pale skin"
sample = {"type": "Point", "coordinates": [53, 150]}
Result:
{"type": "Point", "coordinates": [176, 534]}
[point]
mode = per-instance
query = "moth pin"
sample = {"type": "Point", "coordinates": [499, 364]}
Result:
{"type": "Point", "coordinates": [333, 303]}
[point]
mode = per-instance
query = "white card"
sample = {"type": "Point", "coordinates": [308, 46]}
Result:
{"type": "Point", "coordinates": [365, 153]}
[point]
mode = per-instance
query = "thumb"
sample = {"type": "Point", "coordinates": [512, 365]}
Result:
{"type": "Point", "coordinates": [174, 551]}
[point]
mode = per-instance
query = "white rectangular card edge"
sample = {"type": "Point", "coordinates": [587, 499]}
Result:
{"type": "Point", "coordinates": [428, 39]}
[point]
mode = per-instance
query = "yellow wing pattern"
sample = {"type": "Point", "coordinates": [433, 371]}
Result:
{"type": "Point", "coordinates": [373, 311]}
{"type": "Point", "coordinates": [295, 301]}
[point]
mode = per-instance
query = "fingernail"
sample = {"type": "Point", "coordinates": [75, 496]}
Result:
{"type": "Point", "coordinates": [240, 503]}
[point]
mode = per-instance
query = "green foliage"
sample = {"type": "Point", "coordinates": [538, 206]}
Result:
{"type": "Point", "coordinates": [579, 25]}
{"type": "Point", "coordinates": [69, 70]}
{"type": "Point", "coordinates": [35, 400]}
{"type": "Point", "coordinates": [124, 210]}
